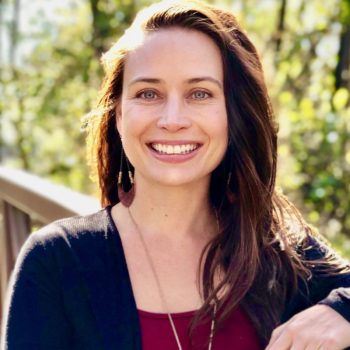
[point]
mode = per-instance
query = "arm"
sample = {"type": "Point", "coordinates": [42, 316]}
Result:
{"type": "Point", "coordinates": [34, 315]}
{"type": "Point", "coordinates": [325, 325]}
{"type": "Point", "coordinates": [333, 291]}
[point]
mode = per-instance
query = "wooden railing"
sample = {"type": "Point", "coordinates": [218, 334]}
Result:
{"type": "Point", "coordinates": [26, 201]}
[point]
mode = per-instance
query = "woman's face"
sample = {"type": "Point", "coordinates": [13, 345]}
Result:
{"type": "Point", "coordinates": [172, 114]}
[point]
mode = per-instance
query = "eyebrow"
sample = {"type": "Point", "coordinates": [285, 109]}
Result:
{"type": "Point", "coordinates": [145, 80]}
{"type": "Point", "coordinates": [189, 81]}
{"type": "Point", "coordinates": [200, 79]}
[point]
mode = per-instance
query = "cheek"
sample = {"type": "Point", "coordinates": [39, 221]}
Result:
{"type": "Point", "coordinates": [220, 125]}
{"type": "Point", "coordinates": [128, 121]}
{"type": "Point", "coordinates": [133, 125]}
{"type": "Point", "coordinates": [220, 128]}
{"type": "Point", "coordinates": [136, 116]}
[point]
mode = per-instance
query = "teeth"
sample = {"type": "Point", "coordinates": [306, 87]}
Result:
{"type": "Point", "coordinates": [176, 149]}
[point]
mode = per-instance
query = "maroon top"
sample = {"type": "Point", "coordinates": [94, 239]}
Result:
{"type": "Point", "coordinates": [237, 333]}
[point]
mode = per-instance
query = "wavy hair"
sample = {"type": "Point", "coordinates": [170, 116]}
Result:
{"type": "Point", "coordinates": [261, 230]}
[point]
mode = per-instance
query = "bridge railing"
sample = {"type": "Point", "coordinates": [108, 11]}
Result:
{"type": "Point", "coordinates": [27, 200]}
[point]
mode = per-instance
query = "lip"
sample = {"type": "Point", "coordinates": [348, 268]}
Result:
{"type": "Point", "coordinates": [174, 158]}
{"type": "Point", "coordinates": [174, 142]}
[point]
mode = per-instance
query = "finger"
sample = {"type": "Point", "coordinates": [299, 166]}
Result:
{"type": "Point", "coordinates": [298, 343]}
{"type": "Point", "coordinates": [275, 335]}
{"type": "Point", "coordinates": [302, 341]}
{"type": "Point", "coordinates": [298, 347]}
{"type": "Point", "coordinates": [315, 346]}
{"type": "Point", "coordinates": [283, 342]}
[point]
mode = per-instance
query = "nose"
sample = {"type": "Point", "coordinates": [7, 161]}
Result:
{"type": "Point", "coordinates": [174, 115]}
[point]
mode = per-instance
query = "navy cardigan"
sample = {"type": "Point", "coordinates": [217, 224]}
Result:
{"type": "Point", "coordinates": [70, 290]}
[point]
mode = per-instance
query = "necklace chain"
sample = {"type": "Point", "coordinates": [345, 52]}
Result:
{"type": "Point", "coordinates": [160, 290]}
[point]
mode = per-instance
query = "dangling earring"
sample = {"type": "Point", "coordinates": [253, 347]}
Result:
{"type": "Point", "coordinates": [125, 198]}
{"type": "Point", "coordinates": [229, 194]}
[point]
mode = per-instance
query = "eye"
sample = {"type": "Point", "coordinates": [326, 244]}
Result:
{"type": "Point", "coordinates": [147, 95]}
{"type": "Point", "coordinates": [200, 95]}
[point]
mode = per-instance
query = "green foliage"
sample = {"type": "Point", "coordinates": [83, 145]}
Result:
{"type": "Point", "coordinates": [56, 81]}
{"type": "Point", "coordinates": [55, 85]}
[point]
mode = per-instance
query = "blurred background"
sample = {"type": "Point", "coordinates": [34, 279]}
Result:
{"type": "Point", "coordinates": [50, 75]}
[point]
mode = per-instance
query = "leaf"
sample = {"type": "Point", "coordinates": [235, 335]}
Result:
{"type": "Point", "coordinates": [340, 98]}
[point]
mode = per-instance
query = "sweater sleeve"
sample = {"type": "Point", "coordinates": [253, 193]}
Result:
{"type": "Point", "coordinates": [332, 289]}
{"type": "Point", "coordinates": [34, 314]}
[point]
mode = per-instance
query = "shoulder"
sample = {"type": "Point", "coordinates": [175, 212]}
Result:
{"type": "Point", "coordinates": [329, 271]}
{"type": "Point", "coordinates": [64, 240]}
{"type": "Point", "coordinates": [321, 257]}
{"type": "Point", "coordinates": [96, 225]}
{"type": "Point", "coordinates": [329, 276]}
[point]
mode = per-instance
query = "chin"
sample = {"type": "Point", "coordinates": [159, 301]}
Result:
{"type": "Point", "coordinates": [177, 179]}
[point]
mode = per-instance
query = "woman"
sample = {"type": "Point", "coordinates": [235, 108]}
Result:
{"type": "Point", "coordinates": [195, 249]}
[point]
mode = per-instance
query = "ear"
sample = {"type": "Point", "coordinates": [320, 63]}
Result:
{"type": "Point", "coordinates": [118, 117]}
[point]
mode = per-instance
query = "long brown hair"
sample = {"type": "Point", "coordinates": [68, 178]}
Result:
{"type": "Point", "coordinates": [260, 231]}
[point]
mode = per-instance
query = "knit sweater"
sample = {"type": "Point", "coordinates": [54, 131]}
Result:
{"type": "Point", "coordinates": [70, 290]}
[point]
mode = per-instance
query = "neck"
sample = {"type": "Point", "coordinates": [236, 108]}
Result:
{"type": "Point", "coordinates": [175, 211]}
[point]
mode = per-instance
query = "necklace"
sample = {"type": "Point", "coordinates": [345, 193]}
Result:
{"type": "Point", "coordinates": [160, 290]}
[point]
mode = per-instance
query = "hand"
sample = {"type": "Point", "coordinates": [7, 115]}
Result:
{"type": "Point", "coordinates": [316, 328]}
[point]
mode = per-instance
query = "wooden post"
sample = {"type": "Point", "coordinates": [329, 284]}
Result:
{"type": "Point", "coordinates": [26, 199]}
{"type": "Point", "coordinates": [14, 229]}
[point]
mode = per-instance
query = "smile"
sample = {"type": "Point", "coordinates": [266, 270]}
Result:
{"type": "Point", "coordinates": [174, 149]}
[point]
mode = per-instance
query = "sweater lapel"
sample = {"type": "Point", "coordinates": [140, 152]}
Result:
{"type": "Point", "coordinates": [110, 293]}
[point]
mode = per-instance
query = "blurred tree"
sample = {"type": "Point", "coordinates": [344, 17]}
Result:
{"type": "Point", "coordinates": [281, 26]}
{"type": "Point", "coordinates": [305, 46]}
{"type": "Point", "coordinates": [109, 19]}
{"type": "Point", "coordinates": [342, 72]}
{"type": "Point", "coordinates": [2, 144]}
{"type": "Point", "coordinates": [312, 93]}
{"type": "Point", "coordinates": [57, 84]}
